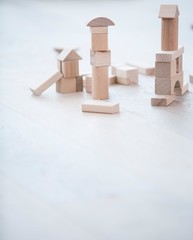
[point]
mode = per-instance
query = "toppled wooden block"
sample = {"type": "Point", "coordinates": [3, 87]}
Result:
{"type": "Point", "coordinates": [100, 106]}
{"type": "Point", "coordinates": [125, 74]}
{"type": "Point", "coordinates": [100, 59]}
{"type": "Point", "coordinates": [162, 100]}
{"type": "Point", "coordinates": [66, 85]}
{"type": "Point", "coordinates": [169, 56]}
{"type": "Point", "coordinates": [40, 89]}
{"type": "Point", "coordinates": [191, 78]}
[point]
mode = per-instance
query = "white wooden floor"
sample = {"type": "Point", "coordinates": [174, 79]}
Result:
{"type": "Point", "coordinates": [70, 175]}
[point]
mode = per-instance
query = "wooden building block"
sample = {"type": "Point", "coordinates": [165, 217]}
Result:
{"type": "Point", "coordinates": [163, 101]}
{"type": "Point", "coordinates": [100, 59]}
{"type": "Point", "coordinates": [59, 64]}
{"type": "Point", "coordinates": [179, 64]}
{"type": "Point", "coordinates": [181, 90]}
{"type": "Point", "coordinates": [169, 56]}
{"type": "Point", "coordinates": [100, 22]}
{"type": "Point", "coordinates": [98, 106]}
{"type": "Point", "coordinates": [66, 85]}
{"type": "Point", "coordinates": [99, 41]}
{"type": "Point", "coordinates": [70, 69]}
{"type": "Point", "coordinates": [143, 69]}
{"type": "Point", "coordinates": [88, 83]}
{"type": "Point", "coordinates": [191, 78]}
{"type": "Point", "coordinates": [165, 69]}
{"type": "Point", "coordinates": [99, 29]}
{"type": "Point", "coordinates": [165, 86]}
{"type": "Point", "coordinates": [125, 74]}
{"type": "Point", "coordinates": [112, 79]}
{"type": "Point", "coordinates": [100, 83]}
{"type": "Point", "coordinates": [40, 89]}
{"type": "Point", "coordinates": [79, 84]}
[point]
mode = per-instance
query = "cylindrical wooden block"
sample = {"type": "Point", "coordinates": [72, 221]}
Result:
{"type": "Point", "coordinates": [169, 34]}
{"type": "Point", "coordinates": [100, 83]}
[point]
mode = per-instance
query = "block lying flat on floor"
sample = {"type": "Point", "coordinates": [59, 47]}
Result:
{"type": "Point", "coordinates": [180, 91]}
{"type": "Point", "coordinates": [125, 74]}
{"type": "Point", "coordinates": [169, 56]}
{"type": "Point", "coordinates": [162, 100]}
{"type": "Point", "coordinates": [66, 85]}
{"type": "Point", "coordinates": [100, 59]}
{"type": "Point", "coordinates": [191, 78]}
{"type": "Point", "coordinates": [100, 106]}
{"type": "Point", "coordinates": [56, 77]}
{"type": "Point", "coordinates": [143, 69]}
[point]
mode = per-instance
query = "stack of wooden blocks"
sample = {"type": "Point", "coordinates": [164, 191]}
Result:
{"type": "Point", "coordinates": [168, 66]}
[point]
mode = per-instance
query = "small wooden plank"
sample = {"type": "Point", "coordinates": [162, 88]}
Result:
{"type": "Point", "coordinates": [191, 78]}
{"type": "Point", "coordinates": [100, 106]}
{"type": "Point", "coordinates": [168, 11]}
{"type": "Point", "coordinates": [165, 69]}
{"type": "Point", "coordinates": [70, 69]}
{"type": "Point", "coordinates": [99, 29]}
{"type": "Point", "coordinates": [169, 56]}
{"type": "Point", "coordinates": [100, 59]}
{"type": "Point", "coordinates": [40, 89]}
{"type": "Point", "coordinates": [66, 85]}
{"type": "Point", "coordinates": [79, 84]}
{"type": "Point", "coordinates": [99, 42]}
{"type": "Point", "coordinates": [162, 100]}
{"type": "Point", "coordinates": [182, 90]}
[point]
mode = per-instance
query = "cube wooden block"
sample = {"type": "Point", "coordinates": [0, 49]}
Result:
{"type": "Point", "coordinates": [163, 101]}
{"type": "Point", "coordinates": [79, 84]}
{"type": "Point", "coordinates": [100, 59]}
{"type": "Point", "coordinates": [99, 106]}
{"type": "Point", "coordinates": [66, 85]}
{"type": "Point", "coordinates": [165, 86]}
{"type": "Point", "coordinates": [100, 83]}
{"type": "Point", "coordinates": [125, 74]}
{"type": "Point", "coordinates": [99, 41]}
{"type": "Point", "coordinates": [99, 29]}
{"type": "Point", "coordinates": [165, 69]}
{"type": "Point", "coordinates": [191, 78]}
{"type": "Point", "coordinates": [70, 69]}
{"type": "Point", "coordinates": [169, 56]}
{"type": "Point", "coordinates": [179, 64]}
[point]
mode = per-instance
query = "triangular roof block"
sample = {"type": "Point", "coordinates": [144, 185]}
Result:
{"type": "Point", "coordinates": [168, 11]}
{"type": "Point", "coordinates": [100, 22]}
{"type": "Point", "coordinates": [68, 55]}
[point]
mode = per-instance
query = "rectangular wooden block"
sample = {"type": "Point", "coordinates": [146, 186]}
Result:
{"type": "Point", "coordinates": [169, 56]}
{"type": "Point", "coordinates": [100, 106]}
{"type": "Point", "coordinates": [163, 101]}
{"type": "Point", "coordinates": [179, 64]}
{"type": "Point", "coordinates": [165, 69]}
{"type": "Point", "coordinates": [181, 90]}
{"type": "Point", "coordinates": [191, 78]}
{"type": "Point", "coordinates": [100, 59]}
{"type": "Point", "coordinates": [99, 29]}
{"type": "Point", "coordinates": [165, 86]}
{"type": "Point", "coordinates": [70, 69]}
{"type": "Point", "coordinates": [99, 41]}
{"type": "Point", "coordinates": [66, 85]}
{"type": "Point", "coordinates": [79, 83]}
{"type": "Point", "coordinates": [125, 74]}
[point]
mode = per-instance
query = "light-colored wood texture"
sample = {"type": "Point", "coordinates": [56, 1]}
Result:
{"type": "Point", "coordinates": [70, 69]}
{"type": "Point", "coordinates": [179, 91]}
{"type": "Point", "coordinates": [100, 22]}
{"type": "Point", "coordinates": [191, 78]}
{"type": "Point", "coordinates": [66, 85]}
{"type": "Point", "coordinates": [44, 86]}
{"type": "Point", "coordinates": [100, 83]}
{"type": "Point", "coordinates": [100, 59]}
{"type": "Point", "coordinates": [165, 70]}
{"type": "Point", "coordinates": [169, 56]}
{"type": "Point", "coordinates": [99, 42]}
{"type": "Point", "coordinates": [179, 64]}
{"type": "Point", "coordinates": [165, 86]}
{"type": "Point", "coordinates": [98, 106]}
{"type": "Point", "coordinates": [168, 11]}
{"type": "Point", "coordinates": [163, 101]}
{"type": "Point", "coordinates": [68, 55]}
{"type": "Point", "coordinates": [79, 84]}
{"type": "Point", "coordinates": [99, 29]}
{"type": "Point", "coordinates": [143, 69]}
{"type": "Point", "coordinates": [125, 74]}
{"type": "Point", "coordinates": [169, 34]}
{"type": "Point", "coordinates": [112, 79]}
{"type": "Point", "coordinates": [59, 65]}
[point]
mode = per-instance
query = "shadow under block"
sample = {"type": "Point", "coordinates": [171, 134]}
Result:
{"type": "Point", "coordinates": [56, 77]}
{"type": "Point", "coordinates": [165, 69]}
{"type": "Point", "coordinates": [66, 85]}
{"type": "Point", "coordinates": [100, 83]}
{"type": "Point", "coordinates": [166, 86]}
{"type": "Point", "coordinates": [162, 100]}
{"type": "Point", "coordinates": [70, 69]}
{"type": "Point", "coordinates": [169, 56]}
{"type": "Point", "coordinates": [191, 78]}
{"type": "Point", "coordinates": [98, 106]}
{"type": "Point", "coordinates": [125, 74]}
{"type": "Point", "coordinates": [99, 30]}
{"type": "Point", "coordinates": [79, 84]}
{"type": "Point", "coordinates": [99, 41]}
{"type": "Point", "coordinates": [100, 59]}
{"type": "Point", "coordinates": [169, 34]}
